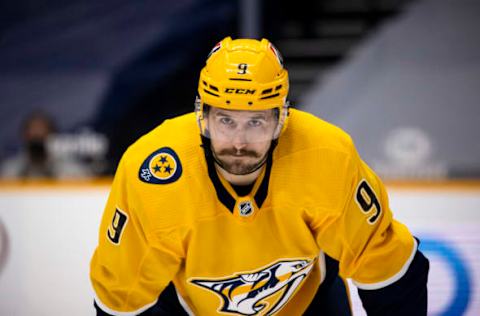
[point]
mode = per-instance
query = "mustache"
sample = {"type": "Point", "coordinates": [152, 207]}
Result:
{"type": "Point", "coordinates": [238, 153]}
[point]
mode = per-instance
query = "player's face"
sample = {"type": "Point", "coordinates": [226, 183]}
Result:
{"type": "Point", "coordinates": [241, 139]}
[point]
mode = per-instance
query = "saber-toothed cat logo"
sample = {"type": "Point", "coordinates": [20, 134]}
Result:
{"type": "Point", "coordinates": [247, 293]}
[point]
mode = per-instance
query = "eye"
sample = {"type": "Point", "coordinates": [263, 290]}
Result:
{"type": "Point", "coordinates": [255, 123]}
{"type": "Point", "coordinates": [226, 121]}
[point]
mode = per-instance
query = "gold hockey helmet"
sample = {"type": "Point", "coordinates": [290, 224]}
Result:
{"type": "Point", "coordinates": [245, 75]}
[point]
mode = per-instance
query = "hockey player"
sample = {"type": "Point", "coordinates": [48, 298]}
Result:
{"type": "Point", "coordinates": [247, 207]}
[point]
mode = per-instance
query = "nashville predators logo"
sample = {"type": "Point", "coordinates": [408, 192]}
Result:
{"type": "Point", "coordinates": [262, 292]}
{"type": "Point", "coordinates": [161, 167]}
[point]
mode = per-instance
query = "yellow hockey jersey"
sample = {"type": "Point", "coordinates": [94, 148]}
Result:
{"type": "Point", "coordinates": [171, 217]}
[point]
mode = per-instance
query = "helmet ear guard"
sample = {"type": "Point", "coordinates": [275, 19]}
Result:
{"type": "Point", "coordinates": [282, 119]}
{"type": "Point", "coordinates": [200, 116]}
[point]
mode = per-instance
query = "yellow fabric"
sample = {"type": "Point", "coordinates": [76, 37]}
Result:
{"type": "Point", "coordinates": [180, 230]}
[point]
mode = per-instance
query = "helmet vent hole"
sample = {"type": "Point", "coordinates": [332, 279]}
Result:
{"type": "Point", "coordinates": [240, 79]}
{"type": "Point", "coordinates": [278, 87]}
{"type": "Point", "coordinates": [266, 91]}
{"type": "Point", "coordinates": [250, 103]}
{"type": "Point", "coordinates": [228, 101]}
{"type": "Point", "coordinates": [270, 96]}
{"type": "Point", "coordinates": [210, 92]}
{"type": "Point", "coordinates": [214, 88]}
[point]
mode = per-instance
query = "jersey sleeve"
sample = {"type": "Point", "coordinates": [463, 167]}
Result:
{"type": "Point", "coordinates": [131, 264]}
{"type": "Point", "coordinates": [372, 248]}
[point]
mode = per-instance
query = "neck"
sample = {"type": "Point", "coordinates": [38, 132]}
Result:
{"type": "Point", "coordinates": [235, 179]}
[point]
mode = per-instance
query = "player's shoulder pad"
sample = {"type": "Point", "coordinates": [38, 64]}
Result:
{"type": "Point", "coordinates": [308, 131]}
{"type": "Point", "coordinates": [157, 156]}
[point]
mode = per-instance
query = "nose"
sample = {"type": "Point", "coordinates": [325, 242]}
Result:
{"type": "Point", "coordinates": [239, 140]}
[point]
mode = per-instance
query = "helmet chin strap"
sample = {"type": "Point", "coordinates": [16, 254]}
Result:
{"type": "Point", "coordinates": [209, 154]}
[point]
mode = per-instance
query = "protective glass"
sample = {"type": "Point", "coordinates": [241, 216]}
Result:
{"type": "Point", "coordinates": [240, 127]}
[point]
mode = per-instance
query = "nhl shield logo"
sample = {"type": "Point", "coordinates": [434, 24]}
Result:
{"type": "Point", "coordinates": [245, 208]}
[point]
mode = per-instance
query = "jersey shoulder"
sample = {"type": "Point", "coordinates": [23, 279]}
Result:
{"type": "Point", "coordinates": [180, 133]}
{"type": "Point", "coordinates": [306, 132]}
{"type": "Point", "coordinates": [313, 163]}
{"type": "Point", "coordinates": [162, 169]}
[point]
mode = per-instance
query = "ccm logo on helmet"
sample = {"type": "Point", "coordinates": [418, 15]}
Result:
{"type": "Point", "coordinates": [240, 91]}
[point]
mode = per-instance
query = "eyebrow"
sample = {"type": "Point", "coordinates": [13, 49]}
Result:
{"type": "Point", "coordinates": [220, 113]}
{"type": "Point", "coordinates": [255, 116]}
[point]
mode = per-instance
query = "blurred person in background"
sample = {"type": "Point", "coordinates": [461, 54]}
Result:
{"type": "Point", "coordinates": [35, 160]}
{"type": "Point", "coordinates": [230, 210]}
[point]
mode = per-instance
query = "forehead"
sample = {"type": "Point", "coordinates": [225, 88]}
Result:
{"type": "Point", "coordinates": [241, 114]}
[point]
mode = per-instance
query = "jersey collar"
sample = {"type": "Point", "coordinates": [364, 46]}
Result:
{"type": "Point", "coordinates": [225, 192]}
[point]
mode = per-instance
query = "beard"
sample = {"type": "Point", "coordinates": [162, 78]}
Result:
{"type": "Point", "coordinates": [239, 162]}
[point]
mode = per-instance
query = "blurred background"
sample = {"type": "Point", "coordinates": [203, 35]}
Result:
{"type": "Point", "coordinates": [82, 80]}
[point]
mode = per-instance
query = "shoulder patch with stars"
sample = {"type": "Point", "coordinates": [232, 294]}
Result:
{"type": "Point", "coordinates": [161, 167]}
